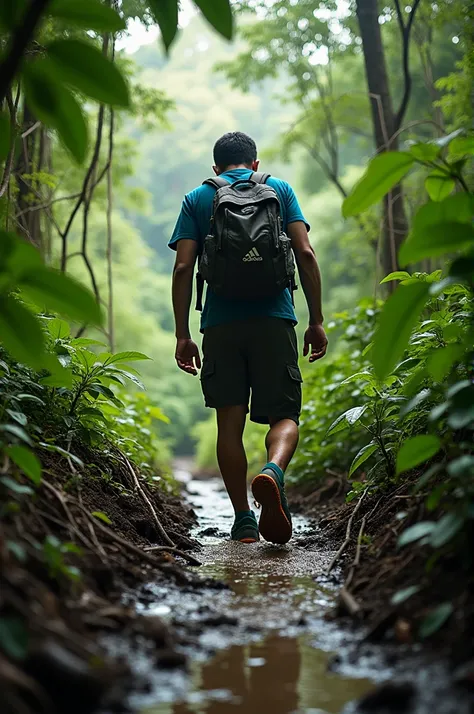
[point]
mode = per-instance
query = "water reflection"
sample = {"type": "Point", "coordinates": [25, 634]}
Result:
{"type": "Point", "coordinates": [280, 675]}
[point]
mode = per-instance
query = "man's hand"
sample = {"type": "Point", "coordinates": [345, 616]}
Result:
{"type": "Point", "coordinates": [315, 337]}
{"type": "Point", "coordinates": [187, 355]}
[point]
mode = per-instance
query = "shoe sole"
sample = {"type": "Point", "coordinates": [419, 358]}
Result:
{"type": "Point", "coordinates": [248, 540]}
{"type": "Point", "coordinates": [274, 525]}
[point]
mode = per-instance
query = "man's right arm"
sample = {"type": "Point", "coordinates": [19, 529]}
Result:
{"type": "Point", "coordinates": [310, 278]}
{"type": "Point", "coordinates": [187, 352]}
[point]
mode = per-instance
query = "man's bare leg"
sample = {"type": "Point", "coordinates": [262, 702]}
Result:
{"type": "Point", "coordinates": [231, 454]}
{"type": "Point", "coordinates": [281, 442]}
{"type": "Point", "coordinates": [268, 488]}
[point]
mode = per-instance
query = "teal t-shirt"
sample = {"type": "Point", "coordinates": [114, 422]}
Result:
{"type": "Point", "coordinates": [193, 224]}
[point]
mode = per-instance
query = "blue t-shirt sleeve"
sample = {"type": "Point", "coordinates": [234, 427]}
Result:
{"type": "Point", "coordinates": [186, 225]}
{"type": "Point", "coordinates": [293, 210]}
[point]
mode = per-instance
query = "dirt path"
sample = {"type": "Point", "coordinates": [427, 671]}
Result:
{"type": "Point", "coordinates": [262, 644]}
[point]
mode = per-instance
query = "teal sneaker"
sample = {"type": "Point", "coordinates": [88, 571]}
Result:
{"type": "Point", "coordinates": [275, 519]}
{"type": "Point", "coordinates": [245, 528]}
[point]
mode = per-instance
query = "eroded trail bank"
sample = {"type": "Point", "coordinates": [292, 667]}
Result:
{"type": "Point", "coordinates": [264, 642]}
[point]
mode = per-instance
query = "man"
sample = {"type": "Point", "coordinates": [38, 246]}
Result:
{"type": "Point", "coordinates": [249, 346]}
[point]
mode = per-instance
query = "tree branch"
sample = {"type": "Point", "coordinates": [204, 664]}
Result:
{"type": "Point", "coordinates": [20, 40]}
{"type": "Point", "coordinates": [7, 172]}
{"type": "Point", "coordinates": [405, 30]}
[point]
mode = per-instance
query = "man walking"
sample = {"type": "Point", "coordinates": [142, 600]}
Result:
{"type": "Point", "coordinates": [245, 227]}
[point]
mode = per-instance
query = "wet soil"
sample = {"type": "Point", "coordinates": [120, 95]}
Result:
{"type": "Point", "coordinates": [263, 641]}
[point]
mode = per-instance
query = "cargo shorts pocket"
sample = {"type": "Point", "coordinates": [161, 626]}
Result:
{"type": "Point", "coordinates": [208, 379]}
{"type": "Point", "coordinates": [294, 372]}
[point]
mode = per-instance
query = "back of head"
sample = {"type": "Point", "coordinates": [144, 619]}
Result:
{"type": "Point", "coordinates": [234, 149]}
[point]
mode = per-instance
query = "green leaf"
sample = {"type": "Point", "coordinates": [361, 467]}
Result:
{"type": "Point", "coordinates": [439, 185]}
{"type": "Point", "coordinates": [406, 365]}
{"type": "Point", "coordinates": [383, 172]}
{"type": "Point", "coordinates": [436, 619]}
{"type": "Point", "coordinates": [16, 487]}
{"type": "Point", "coordinates": [5, 135]}
{"type": "Point", "coordinates": [102, 517]}
{"type": "Point", "coordinates": [364, 454]}
{"type": "Point", "coordinates": [461, 146]}
{"type": "Point", "coordinates": [440, 362]}
{"type": "Point", "coordinates": [87, 14]}
{"type": "Point", "coordinates": [416, 532]}
{"type": "Point", "coordinates": [13, 637]}
{"type": "Point", "coordinates": [417, 450]}
{"type": "Point", "coordinates": [350, 417]}
{"type": "Point", "coordinates": [17, 431]}
{"type": "Point", "coordinates": [18, 551]}
{"type": "Point", "coordinates": [129, 356]}
{"type": "Point", "coordinates": [21, 333]}
{"type": "Point", "coordinates": [55, 106]}
{"type": "Point", "coordinates": [85, 342]}
{"type": "Point", "coordinates": [166, 15]}
{"type": "Point", "coordinates": [396, 322]}
{"type": "Point", "coordinates": [58, 329]}
{"type": "Point", "coordinates": [425, 151]}
{"type": "Point", "coordinates": [404, 595]}
{"type": "Point", "coordinates": [26, 460]}
{"type": "Point", "coordinates": [11, 13]}
{"type": "Point", "coordinates": [397, 275]}
{"type": "Point", "coordinates": [441, 238]}
{"type": "Point", "coordinates": [446, 528]}
{"type": "Point", "coordinates": [219, 14]}
{"type": "Point", "coordinates": [58, 292]}
{"type": "Point", "coordinates": [83, 66]}
{"type": "Point", "coordinates": [59, 450]}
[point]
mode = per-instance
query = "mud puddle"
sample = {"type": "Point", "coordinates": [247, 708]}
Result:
{"type": "Point", "coordinates": [261, 644]}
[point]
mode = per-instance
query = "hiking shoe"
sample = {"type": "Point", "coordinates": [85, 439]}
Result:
{"type": "Point", "coordinates": [275, 519]}
{"type": "Point", "coordinates": [245, 528]}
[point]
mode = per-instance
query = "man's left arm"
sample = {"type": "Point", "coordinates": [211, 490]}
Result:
{"type": "Point", "coordinates": [187, 352]}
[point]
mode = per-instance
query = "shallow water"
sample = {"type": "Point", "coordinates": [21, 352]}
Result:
{"type": "Point", "coordinates": [268, 660]}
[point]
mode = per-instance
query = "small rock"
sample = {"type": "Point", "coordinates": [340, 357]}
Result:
{"type": "Point", "coordinates": [209, 532]}
{"type": "Point", "coordinates": [403, 631]}
{"type": "Point", "coordinates": [170, 659]}
{"type": "Point", "coordinates": [391, 696]}
{"type": "Point", "coordinates": [156, 629]}
{"type": "Point", "coordinates": [220, 620]}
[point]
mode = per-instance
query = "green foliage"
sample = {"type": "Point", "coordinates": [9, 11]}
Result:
{"type": "Point", "coordinates": [88, 14]}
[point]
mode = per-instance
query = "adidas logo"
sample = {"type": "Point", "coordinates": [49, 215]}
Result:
{"type": "Point", "coordinates": [252, 255]}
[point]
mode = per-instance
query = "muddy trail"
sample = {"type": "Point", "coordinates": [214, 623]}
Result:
{"type": "Point", "coordinates": [258, 637]}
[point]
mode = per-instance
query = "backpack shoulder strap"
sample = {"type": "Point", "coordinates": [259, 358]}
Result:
{"type": "Point", "coordinates": [216, 182]}
{"type": "Point", "coordinates": [260, 177]}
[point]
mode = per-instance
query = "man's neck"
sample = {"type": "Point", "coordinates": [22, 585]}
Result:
{"type": "Point", "coordinates": [236, 166]}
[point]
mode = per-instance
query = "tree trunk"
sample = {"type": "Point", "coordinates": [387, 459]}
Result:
{"type": "Point", "coordinates": [383, 120]}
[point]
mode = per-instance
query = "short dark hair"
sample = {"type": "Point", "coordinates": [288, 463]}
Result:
{"type": "Point", "coordinates": [234, 148]}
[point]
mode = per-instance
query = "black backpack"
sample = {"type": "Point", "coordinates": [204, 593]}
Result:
{"type": "Point", "coordinates": [246, 255]}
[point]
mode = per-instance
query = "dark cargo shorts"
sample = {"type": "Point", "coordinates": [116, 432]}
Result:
{"type": "Point", "coordinates": [257, 356]}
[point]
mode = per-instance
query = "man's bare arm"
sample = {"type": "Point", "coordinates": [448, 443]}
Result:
{"type": "Point", "coordinates": [310, 278]}
{"type": "Point", "coordinates": [187, 352]}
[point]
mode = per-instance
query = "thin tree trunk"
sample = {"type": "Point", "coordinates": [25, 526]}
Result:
{"type": "Point", "coordinates": [383, 119]}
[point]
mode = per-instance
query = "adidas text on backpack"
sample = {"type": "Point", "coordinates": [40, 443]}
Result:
{"type": "Point", "coordinates": [246, 255]}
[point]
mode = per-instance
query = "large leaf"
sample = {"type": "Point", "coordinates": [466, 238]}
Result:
{"type": "Point", "coordinates": [349, 418]}
{"type": "Point", "coordinates": [219, 14]}
{"type": "Point", "coordinates": [11, 13]}
{"type": "Point", "coordinates": [436, 619]}
{"type": "Point", "coordinates": [364, 454]}
{"type": "Point", "coordinates": [5, 136]}
{"type": "Point", "coordinates": [441, 360]}
{"type": "Point", "coordinates": [27, 462]}
{"type": "Point", "coordinates": [56, 107]}
{"type": "Point", "coordinates": [21, 333]}
{"type": "Point", "coordinates": [439, 239]}
{"type": "Point", "coordinates": [87, 14]}
{"type": "Point", "coordinates": [129, 356]}
{"type": "Point", "coordinates": [60, 293]}
{"type": "Point", "coordinates": [416, 451]}
{"type": "Point", "coordinates": [416, 532]}
{"type": "Point", "coordinates": [383, 172]}
{"type": "Point", "coordinates": [428, 151]}
{"type": "Point", "coordinates": [84, 67]}
{"type": "Point", "coordinates": [397, 275]}
{"type": "Point", "coordinates": [396, 321]}
{"type": "Point", "coordinates": [461, 146]}
{"type": "Point", "coordinates": [166, 14]}
{"type": "Point", "coordinates": [439, 185]}
{"type": "Point", "coordinates": [446, 528]}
